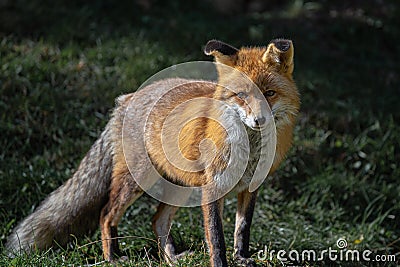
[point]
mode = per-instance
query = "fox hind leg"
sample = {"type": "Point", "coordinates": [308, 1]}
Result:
{"type": "Point", "coordinates": [161, 226]}
{"type": "Point", "coordinates": [124, 191]}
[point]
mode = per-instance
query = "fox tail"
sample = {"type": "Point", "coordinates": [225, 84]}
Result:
{"type": "Point", "coordinates": [71, 210]}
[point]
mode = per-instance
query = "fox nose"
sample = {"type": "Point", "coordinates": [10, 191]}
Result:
{"type": "Point", "coordinates": [260, 121]}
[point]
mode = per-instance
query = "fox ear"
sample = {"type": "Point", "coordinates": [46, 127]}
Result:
{"type": "Point", "coordinates": [222, 52]}
{"type": "Point", "coordinates": [280, 53]}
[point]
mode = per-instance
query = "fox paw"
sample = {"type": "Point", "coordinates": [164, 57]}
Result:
{"type": "Point", "coordinates": [120, 260]}
{"type": "Point", "coordinates": [171, 259]}
{"type": "Point", "coordinates": [183, 255]}
{"type": "Point", "coordinates": [244, 262]}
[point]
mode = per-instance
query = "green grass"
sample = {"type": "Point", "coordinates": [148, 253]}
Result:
{"type": "Point", "coordinates": [62, 65]}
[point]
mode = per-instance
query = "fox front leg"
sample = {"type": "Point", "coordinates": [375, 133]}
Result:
{"type": "Point", "coordinates": [244, 215]}
{"type": "Point", "coordinates": [213, 229]}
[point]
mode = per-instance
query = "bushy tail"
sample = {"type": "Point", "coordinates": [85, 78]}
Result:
{"type": "Point", "coordinates": [73, 209]}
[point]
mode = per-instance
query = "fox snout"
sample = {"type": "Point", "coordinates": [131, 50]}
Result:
{"type": "Point", "coordinates": [256, 113]}
{"type": "Point", "coordinates": [259, 121]}
{"type": "Point", "coordinates": [254, 120]}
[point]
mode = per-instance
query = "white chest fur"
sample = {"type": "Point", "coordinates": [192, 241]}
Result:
{"type": "Point", "coordinates": [247, 154]}
{"type": "Point", "coordinates": [239, 150]}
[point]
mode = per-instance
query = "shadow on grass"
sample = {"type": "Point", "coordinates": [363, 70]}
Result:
{"type": "Point", "coordinates": [333, 40]}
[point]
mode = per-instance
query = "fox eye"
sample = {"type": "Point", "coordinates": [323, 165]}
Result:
{"type": "Point", "coordinates": [241, 95]}
{"type": "Point", "coordinates": [270, 93]}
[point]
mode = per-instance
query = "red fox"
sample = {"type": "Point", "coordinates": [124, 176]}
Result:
{"type": "Point", "coordinates": [105, 183]}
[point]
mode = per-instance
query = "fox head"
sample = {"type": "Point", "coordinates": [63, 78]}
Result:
{"type": "Point", "coordinates": [270, 68]}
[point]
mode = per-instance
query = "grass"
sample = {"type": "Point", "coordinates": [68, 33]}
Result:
{"type": "Point", "coordinates": [61, 66]}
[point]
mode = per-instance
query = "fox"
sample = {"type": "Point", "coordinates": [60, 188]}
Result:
{"type": "Point", "coordinates": [107, 180]}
